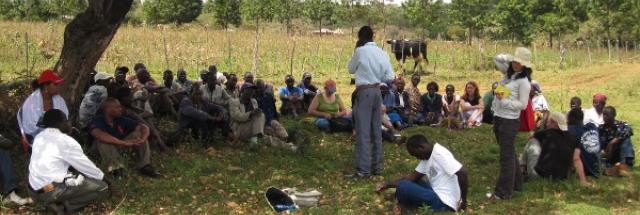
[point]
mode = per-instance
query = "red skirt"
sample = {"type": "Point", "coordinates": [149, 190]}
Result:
{"type": "Point", "coordinates": [527, 119]}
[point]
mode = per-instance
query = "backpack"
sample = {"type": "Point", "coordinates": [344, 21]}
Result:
{"type": "Point", "coordinates": [590, 139]}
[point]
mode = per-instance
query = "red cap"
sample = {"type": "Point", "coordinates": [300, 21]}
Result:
{"type": "Point", "coordinates": [49, 76]}
{"type": "Point", "coordinates": [600, 97]}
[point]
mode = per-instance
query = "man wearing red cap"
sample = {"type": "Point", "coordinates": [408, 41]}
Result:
{"type": "Point", "coordinates": [594, 114]}
{"type": "Point", "coordinates": [45, 97]}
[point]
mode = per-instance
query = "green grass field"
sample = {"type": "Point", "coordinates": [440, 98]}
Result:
{"type": "Point", "coordinates": [227, 180]}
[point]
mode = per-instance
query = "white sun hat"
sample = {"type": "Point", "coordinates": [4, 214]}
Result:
{"type": "Point", "coordinates": [523, 56]}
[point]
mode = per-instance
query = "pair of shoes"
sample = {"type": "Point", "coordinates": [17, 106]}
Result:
{"type": "Point", "coordinates": [623, 170]}
{"type": "Point", "coordinates": [149, 171]}
{"type": "Point", "coordinates": [357, 176]}
{"type": "Point", "coordinates": [118, 174]}
{"type": "Point", "coordinates": [13, 198]}
{"type": "Point", "coordinates": [492, 197]}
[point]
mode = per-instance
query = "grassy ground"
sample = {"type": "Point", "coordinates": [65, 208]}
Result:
{"type": "Point", "coordinates": [226, 180]}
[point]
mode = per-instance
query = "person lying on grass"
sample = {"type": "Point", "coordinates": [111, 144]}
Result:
{"type": "Point", "coordinates": [552, 151]}
{"type": "Point", "coordinates": [447, 185]}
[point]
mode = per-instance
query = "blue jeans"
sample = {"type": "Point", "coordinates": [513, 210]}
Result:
{"type": "Point", "coordinates": [9, 180]}
{"type": "Point", "coordinates": [323, 124]}
{"type": "Point", "coordinates": [418, 194]}
{"type": "Point", "coordinates": [627, 153]}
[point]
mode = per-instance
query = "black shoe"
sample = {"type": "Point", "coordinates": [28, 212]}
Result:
{"type": "Point", "coordinates": [358, 176]}
{"type": "Point", "coordinates": [149, 171]}
{"type": "Point", "coordinates": [304, 146]}
{"type": "Point", "coordinates": [118, 174]}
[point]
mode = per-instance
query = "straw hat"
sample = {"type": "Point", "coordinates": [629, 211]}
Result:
{"type": "Point", "coordinates": [523, 56]}
{"type": "Point", "coordinates": [560, 119]}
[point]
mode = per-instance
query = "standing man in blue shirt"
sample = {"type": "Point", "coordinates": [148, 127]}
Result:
{"type": "Point", "coordinates": [371, 67]}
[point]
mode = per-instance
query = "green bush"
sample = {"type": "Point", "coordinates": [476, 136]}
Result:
{"type": "Point", "coordinates": [171, 11]}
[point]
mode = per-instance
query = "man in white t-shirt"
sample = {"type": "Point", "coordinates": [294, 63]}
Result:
{"type": "Point", "coordinates": [594, 114]}
{"type": "Point", "coordinates": [447, 185]}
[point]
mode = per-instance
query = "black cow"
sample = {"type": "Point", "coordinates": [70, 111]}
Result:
{"type": "Point", "coordinates": [403, 48]}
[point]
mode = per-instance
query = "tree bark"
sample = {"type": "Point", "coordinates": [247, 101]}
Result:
{"type": "Point", "coordinates": [86, 38]}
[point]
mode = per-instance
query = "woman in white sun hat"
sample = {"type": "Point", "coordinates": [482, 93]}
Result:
{"type": "Point", "coordinates": [512, 96]}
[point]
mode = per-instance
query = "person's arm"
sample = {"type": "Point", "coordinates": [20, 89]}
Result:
{"type": "Point", "coordinates": [313, 108]}
{"type": "Point", "coordinates": [145, 132]}
{"type": "Point", "coordinates": [341, 108]}
{"type": "Point", "coordinates": [283, 95]}
{"type": "Point", "coordinates": [522, 101]}
{"type": "Point", "coordinates": [577, 165]}
{"type": "Point", "coordinates": [79, 161]}
{"type": "Point", "coordinates": [354, 62]}
{"type": "Point", "coordinates": [463, 182]}
{"type": "Point", "coordinates": [236, 112]}
{"type": "Point", "coordinates": [388, 70]}
{"type": "Point", "coordinates": [105, 137]}
{"type": "Point", "coordinates": [415, 176]}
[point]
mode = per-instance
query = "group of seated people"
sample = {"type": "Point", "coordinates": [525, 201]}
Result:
{"type": "Point", "coordinates": [120, 113]}
{"type": "Point", "coordinates": [591, 142]}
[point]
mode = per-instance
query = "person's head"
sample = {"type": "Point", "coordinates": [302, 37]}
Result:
{"type": "Point", "coordinates": [247, 91]}
{"type": "Point", "coordinates": [203, 75]}
{"type": "Point", "coordinates": [521, 64]}
{"type": "Point", "coordinates": [306, 78]}
{"type": "Point", "coordinates": [450, 90]}
{"type": "Point", "coordinates": [575, 103]}
{"type": "Point", "coordinates": [143, 76]}
{"type": "Point", "coordinates": [432, 87]}
{"type": "Point", "coordinates": [557, 121]}
{"type": "Point", "coordinates": [49, 82]}
{"type": "Point", "coordinates": [182, 75]}
{"type": "Point", "coordinates": [55, 118]}
{"type": "Point", "coordinates": [609, 114]}
{"type": "Point", "coordinates": [139, 66]}
{"type": "Point", "coordinates": [330, 87]}
{"type": "Point", "coordinates": [213, 69]}
{"type": "Point", "coordinates": [102, 79]}
{"type": "Point", "coordinates": [212, 80]}
{"type": "Point", "coordinates": [399, 83]}
{"type": "Point", "coordinates": [124, 96]}
{"type": "Point", "coordinates": [599, 102]}
{"type": "Point", "coordinates": [196, 93]}
{"type": "Point", "coordinates": [232, 81]}
{"type": "Point", "coordinates": [471, 90]}
{"type": "Point", "coordinates": [415, 80]}
{"type": "Point", "coordinates": [419, 147]}
{"type": "Point", "coordinates": [248, 77]}
{"type": "Point", "coordinates": [167, 76]}
{"type": "Point", "coordinates": [575, 117]}
{"type": "Point", "coordinates": [289, 81]}
{"type": "Point", "coordinates": [112, 108]}
{"type": "Point", "coordinates": [365, 34]}
{"type": "Point", "coordinates": [535, 87]}
{"type": "Point", "coordinates": [384, 89]}
{"type": "Point", "coordinates": [121, 74]}
{"type": "Point", "coordinates": [494, 86]}
{"type": "Point", "coordinates": [261, 87]}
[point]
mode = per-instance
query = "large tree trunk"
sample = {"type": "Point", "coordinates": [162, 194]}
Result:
{"type": "Point", "coordinates": [86, 38]}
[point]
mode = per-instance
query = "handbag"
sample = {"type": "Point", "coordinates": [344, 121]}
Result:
{"type": "Point", "coordinates": [340, 124]}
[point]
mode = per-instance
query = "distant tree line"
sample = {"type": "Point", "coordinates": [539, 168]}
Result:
{"type": "Point", "coordinates": [518, 20]}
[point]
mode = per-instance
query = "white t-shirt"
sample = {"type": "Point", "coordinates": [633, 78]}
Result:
{"type": "Point", "coordinates": [591, 115]}
{"type": "Point", "coordinates": [441, 170]}
{"type": "Point", "coordinates": [539, 103]}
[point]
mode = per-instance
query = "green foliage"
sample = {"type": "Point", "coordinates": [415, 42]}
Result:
{"type": "Point", "coordinates": [40, 10]}
{"type": "Point", "coordinates": [516, 20]}
{"type": "Point", "coordinates": [287, 11]}
{"type": "Point", "coordinates": [257, 10]}
{"type": "Point", "coordinates": [472, 14]}
{"type": "Point", "coordinates": [430, 16]}
{"type": "Point", "coordinates": [318, 11]}
{"type": "Point", "coordinates": [226, 12]}
{"type": "Point", "coordinates": [135, 16]}
{"type": "Point", "coordinates": [171, 11]}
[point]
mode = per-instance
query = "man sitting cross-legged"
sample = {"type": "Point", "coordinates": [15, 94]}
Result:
{"type": "Point", "coordinates": [446, 188]}
{"type": "Point", "coordinates": [113, 132]}
{"type": "Point", "coordinates": [247, 119]}
{"type": "Point", "coordinates": [50, 181]}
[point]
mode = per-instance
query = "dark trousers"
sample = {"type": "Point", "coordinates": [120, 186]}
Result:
{"type": "Point", "coordinates": [72, 198]}
{"type": "Point", "coordinates": [9, 179]}
{"type": "Point", "coordinates": [413, 195]}
{"type": "Point", "coordinates": [510, 177]}
{"type": "Point", "coordinates": [368, 119]}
